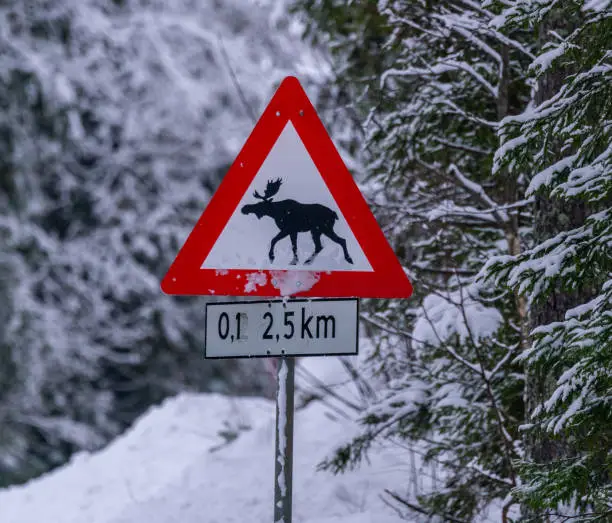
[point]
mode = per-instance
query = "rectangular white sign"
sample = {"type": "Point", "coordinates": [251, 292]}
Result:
{"type": "Point", "coordinates": [271, 328]}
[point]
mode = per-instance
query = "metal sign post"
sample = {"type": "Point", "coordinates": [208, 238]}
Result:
{"type": "Point", "coordinates": [283, 329]}
{"type": "Point", "coordinates": [283, 470]}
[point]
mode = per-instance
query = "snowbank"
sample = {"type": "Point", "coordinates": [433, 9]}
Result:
{"type": "Point", "coordinates": [175, 465]}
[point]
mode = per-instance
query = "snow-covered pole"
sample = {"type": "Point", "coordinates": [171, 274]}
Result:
{"type": "Point", "coordinates": [283, 473]}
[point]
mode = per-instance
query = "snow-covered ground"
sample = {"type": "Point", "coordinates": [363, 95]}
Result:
{"type": "Point", "coordinates": [175, 466]}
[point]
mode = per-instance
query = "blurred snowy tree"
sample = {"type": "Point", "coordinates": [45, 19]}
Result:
{"type": "Point", "coordinates": [117, 120]}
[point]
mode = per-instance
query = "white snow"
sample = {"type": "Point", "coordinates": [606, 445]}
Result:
{"type": "Point", "coordinates": [545, 60]}
{"type": "Point", "coordinates": [255, 279]}
{"type": "Point", "coordinates": [599, 6]}
{"type": "Point", "coordinates": [442, 317]}
{"type": "Point", "coordinates": [545, 177]}
{"type": "Point", "coordinates": [281, 427]}
{"type": "Point", "coordinates": [174, 466]}
{"type": "Point", "coordinates": [292, 282]}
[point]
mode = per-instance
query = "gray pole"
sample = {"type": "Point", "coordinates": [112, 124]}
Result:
{"type": "Point", "coordinates": [283, 471]}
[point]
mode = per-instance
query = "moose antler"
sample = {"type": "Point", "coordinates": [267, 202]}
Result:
{"type": "Point", "coordinates": [272, 188]}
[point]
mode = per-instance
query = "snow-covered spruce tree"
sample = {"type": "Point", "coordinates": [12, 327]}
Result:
{"type": "Point", "coordinates": [117, 120]}
{"type": "Point", "coordinates": [431, 81]}
{"type": "Point", "coordinates": [563, 143]}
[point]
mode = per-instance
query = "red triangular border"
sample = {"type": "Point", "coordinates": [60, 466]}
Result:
{"type": "Point", "coordinates": [289, 103]}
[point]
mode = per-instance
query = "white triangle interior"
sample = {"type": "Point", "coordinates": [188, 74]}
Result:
{"type": "Point", "coordinates": [245, 241]}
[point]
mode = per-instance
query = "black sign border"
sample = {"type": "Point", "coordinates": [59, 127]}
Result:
{"type": "Point", "coordinates": [289, 300]}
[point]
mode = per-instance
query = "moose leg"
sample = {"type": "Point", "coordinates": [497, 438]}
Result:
{"type": "Point", "coordinates": [316, 238]}
{"type": "Point", "coordinates": [340, 241]}
{"type": "Point", "coordinates": [293, 237]}
{"type": "Point", "coordinates": [273, 243]}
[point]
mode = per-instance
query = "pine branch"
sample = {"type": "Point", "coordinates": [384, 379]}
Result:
{"type": "Point", "coordinates": [241, 95]}
{"type": "Point", "coordinates": [421, 510]}
{"type": "Point", "coordinates": [462, 147]}
{"type": "Point", "coordinates": [471, 187]}
{"type": "Point", "coordinates": [328, 390]}
{"type": "Point", "coordinates": [505, 437]}
{"type": "Point", "coordinates": [478, 191]}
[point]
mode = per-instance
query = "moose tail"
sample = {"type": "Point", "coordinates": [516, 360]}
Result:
{"type": "Point", "coordinates": [335, 215]}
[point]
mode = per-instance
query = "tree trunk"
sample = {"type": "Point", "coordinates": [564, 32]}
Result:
{"type": "Point", "coordinates": [551, 216]}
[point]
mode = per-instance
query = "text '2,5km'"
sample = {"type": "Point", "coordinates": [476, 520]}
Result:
{"type": "Point", "coordinates": [281, 327]}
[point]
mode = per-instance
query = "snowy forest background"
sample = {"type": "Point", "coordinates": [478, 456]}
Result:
{"type": "Point", "coordinates": [481, 134]}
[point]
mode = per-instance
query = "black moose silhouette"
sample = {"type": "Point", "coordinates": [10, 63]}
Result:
{"type": "Point", "coordinates": [293, 217]}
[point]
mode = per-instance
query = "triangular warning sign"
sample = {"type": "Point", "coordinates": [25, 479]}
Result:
{"type": "Point", "coordinates": [287, 220]}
